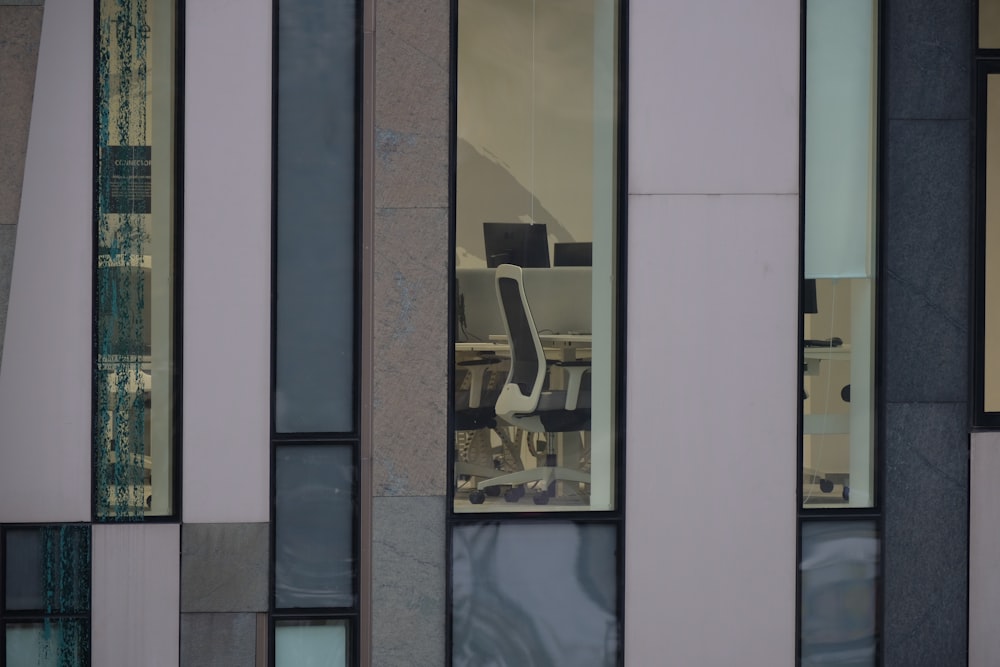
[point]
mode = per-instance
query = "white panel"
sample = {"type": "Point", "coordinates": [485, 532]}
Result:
{"type": "Point", "coordinates": [711, 414]}
{"type": "Point", "coordinates": [714, 96]}
{"type": "Point", "coordinates": [45, 377]}
{"type": "Point", "coordinates": [984, 550]}
{"type": "Point", "coordinates": [136, 595]}
{"type": "Point", "coordinates": [227, 218]}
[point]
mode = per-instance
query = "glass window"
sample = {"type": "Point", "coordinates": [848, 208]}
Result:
{"type": "Point", "coordinates": [316, 212]}
{"type": "Point", "coordinates": [839, 254]}
{"type": "Point", "coordinates": [839, 574]}
{"type": "Point", "coordinates": [45, 610]}
{"type": "Point", "coordinates": [536, 194]}
{"type": "Point", "coordinates": [134, 281]}
{"type": "Point", "coordinates": [314, 526]}
{"type": "Point", "coordinates": [988, 315]}
{"type": "Point", "coordinates": [989, 24]}
{"type": "Point", "coordinates": [310, 643]}
{"type": "Point", "coordinates": [534, 594]}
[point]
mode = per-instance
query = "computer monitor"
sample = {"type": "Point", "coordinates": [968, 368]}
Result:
{"type": "Point", "coordinates": [518, 243]}
{"type": "Point", "coordinates": [573, 254]}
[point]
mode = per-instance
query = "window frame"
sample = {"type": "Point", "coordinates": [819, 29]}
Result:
{"type": "Point", "coordinates": [357, 438]}
{"type": "Point", "coordinates": [615, 516]}
{"type": "Point", "coordinates": [8, 617]}
{"type": "Point", "coordinates": [177, 294]}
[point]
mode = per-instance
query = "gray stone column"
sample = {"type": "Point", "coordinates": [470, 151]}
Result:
{"type": "Point", "coordinates": [926, 221]}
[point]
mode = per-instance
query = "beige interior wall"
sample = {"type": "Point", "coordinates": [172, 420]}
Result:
{"type": "Point", "coordinates": [525, 119]}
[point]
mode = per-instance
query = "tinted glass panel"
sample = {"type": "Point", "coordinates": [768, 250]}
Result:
{"type": "Point", "coordinates": [316, 162]}
{"type": "Point", "coordinates": [63, 643]}
{"type": "Point", "coordinates": [310, 643]}
{"type": "Point", "coordinates": [48, 569]}
{"type": "Point", "coordinates": [534, 594]}
{"type": "Point", "coordinates": [536, 175]}
{"type": "Point", "coordinates": [839, 571]}
{"type": "Point", "coordinates": [314, 526]}
{"type": "Point", "coordinates": [989, 24]}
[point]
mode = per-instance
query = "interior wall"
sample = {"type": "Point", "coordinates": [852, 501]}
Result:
{"type": "Point", "coordinates": [522, 157]}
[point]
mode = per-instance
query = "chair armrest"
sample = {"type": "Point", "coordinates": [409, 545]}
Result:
{"type": "Point", "coordinates": [574, 371]}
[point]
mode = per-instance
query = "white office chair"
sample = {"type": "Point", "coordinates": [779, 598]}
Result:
{"type": "Point", "coordinates": [526, 403]}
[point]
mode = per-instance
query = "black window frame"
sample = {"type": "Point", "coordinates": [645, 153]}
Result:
{"type": "Point", "coordinates": [874, 513]}
{"type": "Point", "coordinates": [353, 439]}
{"type": "Point", "coordinates": [8, 617]}
{"type": "Point", "coordinates": [177, 333]}
{"type": "Point", "coordinates": [616, 516]}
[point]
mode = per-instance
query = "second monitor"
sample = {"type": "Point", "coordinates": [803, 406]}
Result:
{"type": "Point", "coordinates": [519, 243]}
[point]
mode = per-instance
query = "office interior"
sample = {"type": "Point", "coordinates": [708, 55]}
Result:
{"type": "Point", "coordinates": [536, 147]}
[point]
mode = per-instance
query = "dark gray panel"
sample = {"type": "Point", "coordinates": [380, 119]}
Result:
{"type": "Point", "coordinates": [928, 218]}
{"type": "Point", "coordinates": [926, 530]}
{"type": "Point", "coordinates": [408, 581]}
{"type": "Point", "coordinates": [218, 640]}
{"type": "Point", "coordinates": [314, 526]}
{"type": "Point", "coordinates": [224, 567]}
{"type": "Point", "coordinates": [928, 58]}
{"type": "Point", "coordinates": [926, 353]}
{"type": "Point", "coordinates": [314, 375]}
{"type": "Point", "coordinates": [534, 594]}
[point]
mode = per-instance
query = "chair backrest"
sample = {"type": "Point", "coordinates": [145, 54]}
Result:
{"type": "Point", "coordinates": [527, 358]}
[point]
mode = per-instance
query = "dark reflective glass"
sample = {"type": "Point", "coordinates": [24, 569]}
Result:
{"type": "Point", "coordinates": [48, 569]}
{"type": "Point", "coordinates": [839, 571]}
{"type": "Point", "coordinates": [314, 526]}
{"type": "Point", "coordinates": [534, 594]}
{"type": "Point", "coordinates": [316, 160]}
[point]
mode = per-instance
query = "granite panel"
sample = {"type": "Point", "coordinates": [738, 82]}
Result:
{"type": "Point", "coordinates": [928, 213]}
{"type": "Point", "coordinates": [410, 437]}
{"type": "Point", "coordinates": [411, 103]}
{"type": "Point", "coordinates": [224, 567]}
{"type": "Point", "coordinates": [20, 31]}
{"type": "Point", "coordinates": [926, 534]}
{"type": "Point", "coordinates": [925, 357]}
{"type": "Point", "coordinates": [218, 640]}
{"type": "Point", "coordinates": [408, 571]}
{"type": "Point", "coordinates": [928, 58]}
{"type": "Point", "coordinates": [8, 236]}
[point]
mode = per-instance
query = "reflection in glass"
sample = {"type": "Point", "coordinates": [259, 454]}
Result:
{"type": "Point", "coordinates": [310, 643]}
{"type": "Point", "coordinates": [62, 643]}
{"type": "Point", "coordinates": [134, 276]}
{"type": "Point", "coordinates": [536, 145]}
{"type": "Point", "coordinates": [315, 171]}
{"type": "Point", "coordinates": [47, 569]}
{"type": "Point", "coordinates": [839, 571]}
{"type": "Point", "coordinates": [534, 594]}
{"type": "Point", "coordinates": [839, 253]}
{"type": "Point", "coordinates": [314, 526]}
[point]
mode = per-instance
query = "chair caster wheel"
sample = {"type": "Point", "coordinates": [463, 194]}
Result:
{"type": "Point", "coordinates": [492, 491]}
{"type": "Point", "coordinates": [477, 497]}
{"type": "Point", "coordinates": [514, 494]}
{"type": "Point", "coordinates": [825, 485]}
{"type": "Point", "coordinates": [541, 498]}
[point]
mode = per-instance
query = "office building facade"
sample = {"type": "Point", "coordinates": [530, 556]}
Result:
{"type": "Point", "coordinates": [266, 468]}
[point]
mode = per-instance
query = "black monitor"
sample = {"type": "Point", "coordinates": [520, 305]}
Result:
{"type": "Point", "coordinates": [519, 243]}
{"type": "Point", "coordinates": [573, 254]}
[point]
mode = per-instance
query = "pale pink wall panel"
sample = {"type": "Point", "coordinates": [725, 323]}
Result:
{"type": "Point", "coordinates": [227, 260]}
{"type": "Point", "coordinates": [45, 376]}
